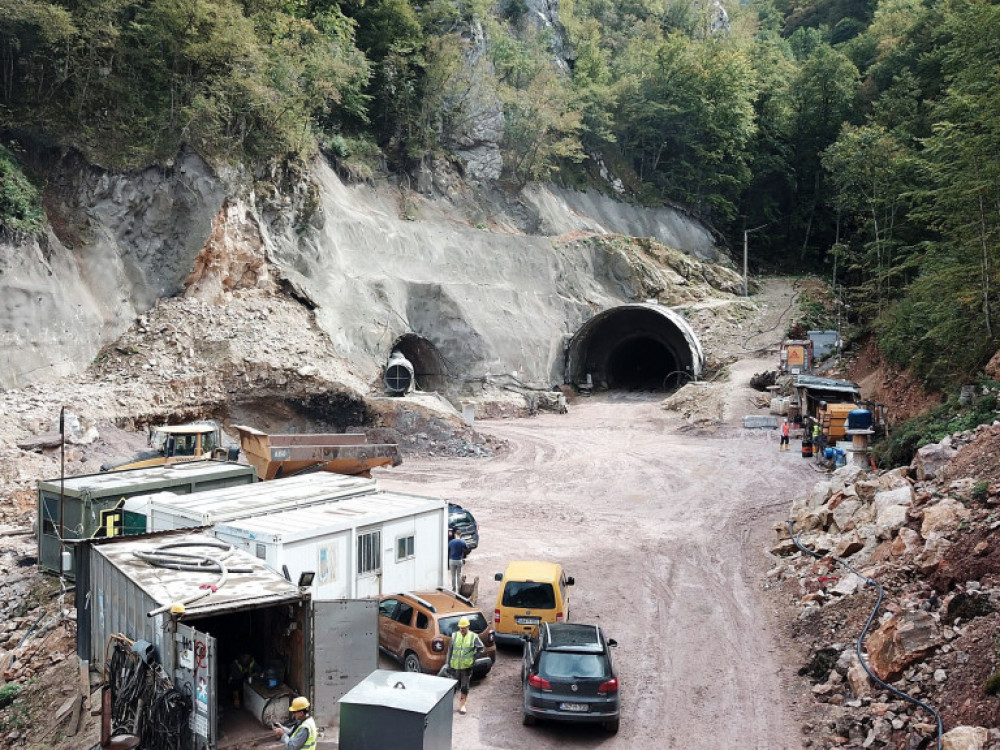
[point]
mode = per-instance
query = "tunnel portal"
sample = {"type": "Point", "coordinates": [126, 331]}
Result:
{"type": "Point", "coordinates": [634, 347]}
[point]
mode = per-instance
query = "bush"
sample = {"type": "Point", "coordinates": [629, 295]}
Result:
{"type": "Point", "coordinates": [931, 427]}
{"type": "Point", "coordinates": [8, 693]}
{"type": "Point", "coordinates": [20, 205]}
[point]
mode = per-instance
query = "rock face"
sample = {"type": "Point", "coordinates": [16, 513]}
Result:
{"type": "Point", "coordinates": [116, 245]}
{"type": "Point", "coordinates": [492, 303]}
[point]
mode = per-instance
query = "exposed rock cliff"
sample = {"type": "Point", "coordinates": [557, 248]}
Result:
{"type": "Point", "coordinates": [481, 277]}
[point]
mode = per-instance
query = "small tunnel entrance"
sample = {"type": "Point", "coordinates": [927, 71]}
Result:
{"type": "Point", "coordinates": [430, 371]}
{"type": "Point", "coordinates": [634, 347]}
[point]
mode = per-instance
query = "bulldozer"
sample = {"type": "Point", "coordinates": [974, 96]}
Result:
{"type": "Point", "coordinates": [169, 444]}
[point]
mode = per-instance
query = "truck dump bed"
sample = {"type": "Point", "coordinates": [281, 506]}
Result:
{"type": "Point", "coordinates": [276, 456]}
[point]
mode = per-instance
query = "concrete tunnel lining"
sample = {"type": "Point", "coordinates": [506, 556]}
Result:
{"type": "Point", "coordinates": [639, 345]}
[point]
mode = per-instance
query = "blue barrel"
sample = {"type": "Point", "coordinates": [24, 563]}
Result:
{"type": "Point", "coordinates": [840, 458]}
{"type": "Point", "coordinates": [828, 453]}
{"type": "Point", "coordinates": [859, 419]}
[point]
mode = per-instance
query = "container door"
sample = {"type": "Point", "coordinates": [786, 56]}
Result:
{"type": "Point", "coordinates": [345, 651]}
{"type": "Point", "coordinates": [194, 675]}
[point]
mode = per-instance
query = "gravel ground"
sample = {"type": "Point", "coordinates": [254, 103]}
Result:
{"type": "Point", "coordinates": [663, 519]}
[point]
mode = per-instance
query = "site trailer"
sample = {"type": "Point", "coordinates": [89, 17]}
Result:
{"type": "Point", "coordinates": [321, 649]}
{"type": "Point", "coordinates": [165, 511]}
{"type": "Point", "coordinates": [89, 505]}
{"type": "Point", "coordinates": [358, 547]}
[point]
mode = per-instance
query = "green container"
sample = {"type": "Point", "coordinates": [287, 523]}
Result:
{"type": "Point", "coordinates": [92, 505]}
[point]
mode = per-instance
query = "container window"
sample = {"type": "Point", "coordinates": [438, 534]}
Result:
{"type": "Point", "coordinates": [261, 551]}
{"type": "Point", "coordinates": [369, 552]}
{"type": "Point", "coordinates": [404, 548]}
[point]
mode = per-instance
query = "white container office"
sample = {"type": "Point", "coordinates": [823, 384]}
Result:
{"type": "Point", "coordinates": [358, 547]}
{"type": "Point", "coordinates": [166, 511]}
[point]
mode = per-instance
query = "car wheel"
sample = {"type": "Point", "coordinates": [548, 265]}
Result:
{"type": "Point", "coordinates": [528, 720]}
{"type": "Point", "coordinates": [611, 727]}
{"type": "Point", "coordinates": [411, 662]}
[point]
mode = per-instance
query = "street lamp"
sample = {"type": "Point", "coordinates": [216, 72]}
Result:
{"type": "Point", "coordinates": [746, 292]}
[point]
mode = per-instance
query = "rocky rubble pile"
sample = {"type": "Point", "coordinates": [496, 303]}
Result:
{"type": "Point", "coordinates": [931, 540]}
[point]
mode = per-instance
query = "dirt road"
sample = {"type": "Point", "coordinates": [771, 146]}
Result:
{"type": "Point", "coordinates": [664, 529]}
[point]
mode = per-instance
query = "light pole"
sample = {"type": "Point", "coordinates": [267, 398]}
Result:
{"type": "Point", "coordinates": [746, 291]}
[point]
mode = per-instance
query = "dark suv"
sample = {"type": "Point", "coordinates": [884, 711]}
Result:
{"type": "Point", "coordinates": [464, 524]}
{"type": "Point", "coordinates": [568, 675]}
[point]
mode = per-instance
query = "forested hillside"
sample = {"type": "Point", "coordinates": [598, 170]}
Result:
{"type": "Point", "coordinates": [857, 139]}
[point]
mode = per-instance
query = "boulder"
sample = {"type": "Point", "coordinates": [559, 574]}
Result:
{"type": "Point", "coordinates": [930, 459]}
{"type": "Point", "coordinates": [933, 554]}
{"type": "Point", "coordinates": [965, 738]}
{"type": "Point", "coordinates": [852, 513]}
{"type": "Point", "coordinates": [943, 516]}
{"type": "Point", "coordinates": [891, 507]}
{"type": "Point", "coordinates": [844, 477]}
{"type": "Point", "coordinates": [907, 542]}
{"type": "Point", "coordinates": [901, 641]}
{"type": "Point", "coordinates": [858, 679]}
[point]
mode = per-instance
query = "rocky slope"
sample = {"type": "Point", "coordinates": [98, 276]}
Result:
{"type": "Point", "coordinates": [928, 539]}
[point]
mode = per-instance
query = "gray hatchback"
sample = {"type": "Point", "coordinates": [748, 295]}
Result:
{"type": "Point", "coordinates": [569, 675]}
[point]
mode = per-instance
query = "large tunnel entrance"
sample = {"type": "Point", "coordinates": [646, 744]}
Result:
{"type": "Point", "coordinates": [430, 371]}
{"type": "Point", "coordinates": [634, 347]}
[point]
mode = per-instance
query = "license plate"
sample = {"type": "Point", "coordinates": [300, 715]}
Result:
{"type": "Point", "coordinates": [528, 620]}
{"type": "Point", "coordinates": [575, 707]}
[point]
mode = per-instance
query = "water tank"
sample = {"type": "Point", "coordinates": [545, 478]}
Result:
{"type": "Point", "coordinates": [859, 419]}
{"type": "Point", "coordinates": [398, 377]}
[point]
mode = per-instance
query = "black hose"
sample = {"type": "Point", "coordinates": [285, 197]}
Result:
{"type": "Point", "coordinates": [864, 631]}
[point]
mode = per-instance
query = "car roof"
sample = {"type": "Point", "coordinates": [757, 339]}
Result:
{"type": "Point", "coordinates": [445, 603]}
{"type": "Point", "coordinates": [534, 570]}
{"type": "Point", "coordinates": [573, 636]}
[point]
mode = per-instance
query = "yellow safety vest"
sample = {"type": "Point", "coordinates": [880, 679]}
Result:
{"type": "Point", "coordinates": [463, 650]}
{"type": "Point", "coordinates": [309, 724]}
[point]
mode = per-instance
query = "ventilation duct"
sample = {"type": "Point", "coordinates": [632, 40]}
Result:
{"type": "Point", "coordinates": [398, 377]}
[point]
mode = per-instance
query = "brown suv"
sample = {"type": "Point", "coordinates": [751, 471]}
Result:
{"type": "Point", "coordinates": [415, 628]}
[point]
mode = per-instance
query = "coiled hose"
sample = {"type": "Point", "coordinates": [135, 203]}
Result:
{"type": "Point", "coordinates": [163, 557]}
{"type": "Point", "coordinates": [864, 631]}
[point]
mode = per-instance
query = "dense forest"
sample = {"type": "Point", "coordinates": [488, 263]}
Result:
{"type": "Point", "coordinates": [859, 139]}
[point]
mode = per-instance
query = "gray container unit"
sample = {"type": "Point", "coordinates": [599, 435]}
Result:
{"type": "Point", "coordinates": [398, 710]}
{"type": "Point", "coordinates": [80, 507]}
{"type": "Point", "coordinates": [167, 511]}
{"type": "Point", "coordinates": [325, 647]}
{"type": "Point", "coordinates": [357, 547]}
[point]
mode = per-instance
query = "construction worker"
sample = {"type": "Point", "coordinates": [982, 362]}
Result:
{"type": "Point", "coordinates": [302, 734]}
{"type": "Point", "coordinates": [243, 669]}
{"type": "Point", "coordinates": [465, 646]}
{"type": "Point", "coordinates": [819, 440]}
{"type": "Point", "coordinates": [458, 548]}
{"type": "Point", "coordinates": [783, 445]}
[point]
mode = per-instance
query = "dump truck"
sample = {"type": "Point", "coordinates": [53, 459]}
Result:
{"type": "Point", "coordinates": [277, 456]}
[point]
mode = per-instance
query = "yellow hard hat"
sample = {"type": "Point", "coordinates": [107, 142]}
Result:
{"type": "Point", "coordinates": [464, 622]}
{"type": "Point", "coordinates": [299, 704]}
{"type": "Point", "coordinates": [177, 608]}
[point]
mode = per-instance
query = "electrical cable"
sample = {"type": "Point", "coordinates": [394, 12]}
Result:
{"type": "Point", "coordinates": [864, 631]}
{"type": "Point", "coordinates": [143, 700]}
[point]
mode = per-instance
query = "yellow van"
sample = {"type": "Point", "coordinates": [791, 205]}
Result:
{"type": "Point", "coordinates": [531, 592]}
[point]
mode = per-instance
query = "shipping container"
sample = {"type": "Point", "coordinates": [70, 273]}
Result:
{"type": "Point", "coordinates": [360, 546]}
{"type": "Point", "coordinates": [318, 649]}
{"type": "Point", "coordinates": [89, 505]}
{"type": "Point", "coordinates": [165, 511]}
